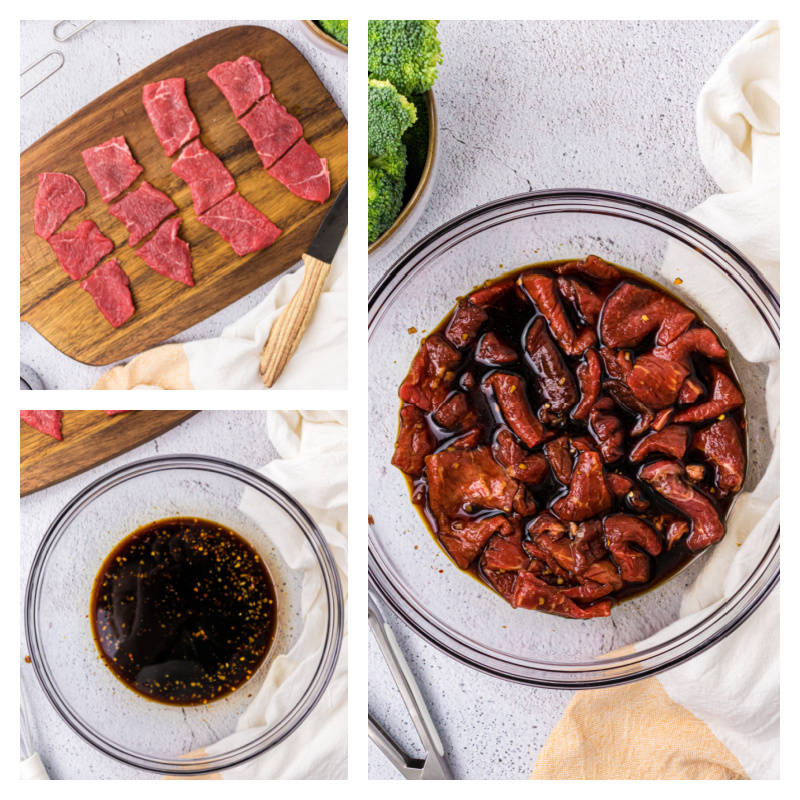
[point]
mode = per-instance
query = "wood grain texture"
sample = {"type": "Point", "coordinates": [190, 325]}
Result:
{"type": "Point", "coordinates": [90, 438]}
{"type": "Point", "coordinates": [288, 329]}
{"type": "Point", "coordinates": [61, 311]}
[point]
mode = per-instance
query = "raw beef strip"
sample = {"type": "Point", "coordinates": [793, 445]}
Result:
{"type": "Point", "coordinates": [108, 286]}
{"type": "Point", "coordinates": [304, 173]}
{"type": "Point", "coordinates": [80, 249]}
{"type": "Point", "coordinates": [58, 196]}
{"type": "Point", "coordinates": [168, 254]}
{"type": "Point", "coordinates": [112, 167]}
{"type": "Point", "coordinates": [48, 422]}
{"type": "Point", "coordinates": [205, 174]}
{"type": "Point", "coordinates": [272, 129]}
{"type": "Point", "coordinates": [169, 112]}
{"type": "Point", "coordinates": [142, 211]}
{"type": "Point", "coordinates": [241, 81]}
{"type": "Point", "coordinates": [245, 228]}
{"type": "Point", "coordinates": [111, 413]}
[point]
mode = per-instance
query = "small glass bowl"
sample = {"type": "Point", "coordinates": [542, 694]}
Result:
{"type": "Point", "coordinates": [108, 715]}
{"type": "Point", "coordinates": [445, 605]}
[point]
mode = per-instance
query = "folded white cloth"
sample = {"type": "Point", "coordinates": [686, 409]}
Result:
{"type": "Point", "coordinates": [32, 769]}
{"type": "Point", "coordinates": [312, 468]}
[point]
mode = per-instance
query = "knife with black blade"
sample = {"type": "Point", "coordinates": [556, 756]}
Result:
{"type": "Point", "coordinates": [292, 323]}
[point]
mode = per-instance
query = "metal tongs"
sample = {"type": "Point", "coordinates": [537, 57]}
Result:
{"type": "Point", "coordinates": [433, 766]}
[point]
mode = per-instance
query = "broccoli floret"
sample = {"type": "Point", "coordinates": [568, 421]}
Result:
{"type": "Point", "coordinates": [386, 182]}
{"type": "Point", "coordinates": [388, 116]}
{"type": "Point", "coordinates": [336, 28]}
{"type": "Point", "coordinates": [404, 52]}
{"type": "Point", "coordinates": [416, 141]}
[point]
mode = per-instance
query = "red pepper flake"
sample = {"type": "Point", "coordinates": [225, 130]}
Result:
{"type": "Point", "coordinates": [371, 519]}
{"type": "Point", "coordinates": [27, 659]}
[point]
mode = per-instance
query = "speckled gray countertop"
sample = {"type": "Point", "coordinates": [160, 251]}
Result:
{"type": "Point", "coordinates": [239, 436]}
{"type": "Point", "coordinates": [527, 105]}
{"type": "Point", "coordinates": [97, 59]}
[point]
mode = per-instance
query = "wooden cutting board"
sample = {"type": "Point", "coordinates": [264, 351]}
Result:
{"type": "Point", "coordinates": [61, 311]}
{"type": "Point", "coordinates": [90, 438]}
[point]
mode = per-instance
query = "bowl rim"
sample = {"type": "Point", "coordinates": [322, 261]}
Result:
{"type": "Point", "coordinates": [427, 173]}
{"type": "Point", "coordinates": [331, 648]}
{"type": "Point", "coordinates": [325, 36]}
{"type": "Point", "coordinates": [393, 281]}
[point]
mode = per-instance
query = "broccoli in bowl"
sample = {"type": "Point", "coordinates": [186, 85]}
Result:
{"type": "Point", "coordinates": [403, 59]}
{"type": "Point", "coordinates": [337, 28]}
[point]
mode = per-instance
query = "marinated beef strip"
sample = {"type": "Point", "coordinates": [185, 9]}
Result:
{"type": "Point", "coordinates": [509, 392]}
{"type": "Point", "coordinates": [566, 470]}
{"type": "Point", "coordinates": [542, 291]}
{"type": "Point", "coordinates": [721, 445]}
{"type": "Point", "coordinates": [58, 196]}
{"type": "Point", "coordinates": [556, 384]}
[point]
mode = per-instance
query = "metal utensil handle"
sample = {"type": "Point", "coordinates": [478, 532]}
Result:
{"type": "Point", "coordinates": [409, 690]}
{"type": "Point", "coordinates": [410, 769]}
{"type": "Point", "coordinates": [50, 74]}
{"type": "Point", "coordinates": [71, 33]}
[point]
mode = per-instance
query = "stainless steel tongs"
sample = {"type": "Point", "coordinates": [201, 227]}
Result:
{"type": "Point", "coordinates": [433, 766]}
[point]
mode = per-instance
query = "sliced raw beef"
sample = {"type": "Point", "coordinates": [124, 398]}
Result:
{"type": "Point", "coordinates": [169, 112]}
{"type": "Point", "coordinates": [142, 211]}
{"type": "Point", "coordinates": [168, 254]}
{"type": "Point", "coordinates": [244, 227]}
{"type": "Point", "coordinates": [80, 249]}
{"type": "Point", "coordinates": [241, 81]}
{"type": "Point", "coordinates": [48, 422]}
{"type": "Point", "coordinates": [112, 167]}
{"type": "Point", "coordinates": [58, 196]}
{"type": "Point", "coordinates": [205, 174]}
{"type": "Point", "coordinates": [272, 129]}
{"type": "Point", "coordinates": [108, 286]}
{"type": "Point", "coordinates": [304, 173]}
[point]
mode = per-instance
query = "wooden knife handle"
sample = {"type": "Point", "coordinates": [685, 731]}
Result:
{"type": "Point", "coordinates": [290, 326]}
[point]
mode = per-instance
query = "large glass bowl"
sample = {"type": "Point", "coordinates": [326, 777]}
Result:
{"type": "Point", "coordinates": [448, 607]}
{"type": "Point", "coordinates": [108, 715]}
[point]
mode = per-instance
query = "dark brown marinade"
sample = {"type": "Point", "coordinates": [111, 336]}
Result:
{"type": "Point", "coordinates": [183, 611]}
{"type": "Point", "coordinates": [509, 318]}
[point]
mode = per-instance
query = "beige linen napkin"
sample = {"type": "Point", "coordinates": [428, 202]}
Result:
{"type": "Point", "coordinates": [716, 716]}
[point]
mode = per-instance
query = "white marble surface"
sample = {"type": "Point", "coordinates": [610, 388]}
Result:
{"type": "Point", "coordinates": [525, 106]}
{"type": "Point", "coordinates": [239, 436]}
{"type": "Point", "coordinates": [97, 59]}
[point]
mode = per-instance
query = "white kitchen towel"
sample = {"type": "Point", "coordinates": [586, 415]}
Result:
{"type": "Point", "coordinates": [716, 716]}
{"type": "Point", "coordinates": [313, 468]}
{"type": "Point", "coordinates": [231, 361]}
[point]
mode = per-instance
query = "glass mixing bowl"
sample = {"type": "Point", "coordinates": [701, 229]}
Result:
{"type": "Point", "coordinates": [107, 714]}
{"type": "Point", "coordinates": [448, 607]}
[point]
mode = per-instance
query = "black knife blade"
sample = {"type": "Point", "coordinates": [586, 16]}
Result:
{"type": "Point", "coordinates": [329, 235]}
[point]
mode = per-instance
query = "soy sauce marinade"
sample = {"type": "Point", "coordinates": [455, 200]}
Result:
{"type": "Point", "coordinates": [509, 318]}
{"type": "Point", "coordinates": [183, 611]}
